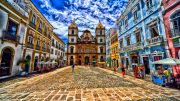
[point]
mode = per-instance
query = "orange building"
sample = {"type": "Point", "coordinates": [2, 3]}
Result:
{"type": "Point", "coordinates": [86, 49]}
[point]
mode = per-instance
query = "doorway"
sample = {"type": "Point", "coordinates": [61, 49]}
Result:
{"type": "Point", "coordinates": [146, 65]}
{"type": "Point", "coordinates": [27, 65]}
{"type": "Point", "coordinates": [71, 60]}
{"type": "Point", "coordinates": [36, 63]}
{"type": "Point", "coordinates": [86, 60]}
{"type": "Point", "coordinates": [6, 62]}
{"type": "Point", "coordinates": [79, 62]}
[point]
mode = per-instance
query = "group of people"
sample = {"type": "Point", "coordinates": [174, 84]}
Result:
{"type": "Point", "coordinates": [139, 71]}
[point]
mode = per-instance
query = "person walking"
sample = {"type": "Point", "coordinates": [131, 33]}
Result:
{"type": "Point", "coordinates": [73, 68]}
{"type": "Point", "coordinates": [123, 70]}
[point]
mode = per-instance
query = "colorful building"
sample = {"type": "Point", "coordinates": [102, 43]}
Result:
{"type": "Point", "coordinates": [142, 37]}
{"type": "Point", "coordinates": [13, 21]}
{"type": "Point", "coordinates": [171, 17]}
{"type": "Point", "coordinates": [114, 48]}
{"type": "Point", "coordinates": [86, 49]}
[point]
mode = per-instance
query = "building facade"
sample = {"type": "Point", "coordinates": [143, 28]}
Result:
{"type": "Point", "coordinates": [13, 26]}
{"type": "Point", "coordinates": [114, 48]}
{"type": "Point", "coordinates": [57, 50]}
{"type": "Point", "coordinates": [38, 38]}
{"type": "Point", "coordinates": [171, 17]}
{"type": "Point", "coordinates": [142, 38]}
{"type": "Point", "coordinates": [108, 49]}
{"type": "Point", "coordinates": [86, 49]}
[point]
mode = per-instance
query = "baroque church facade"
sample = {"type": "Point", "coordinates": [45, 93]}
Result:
{"type": "Point", "coordinates": [86, 49]}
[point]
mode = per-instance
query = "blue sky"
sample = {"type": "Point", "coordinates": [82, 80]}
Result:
{"type": "Point", "coordinates": [86, 13]}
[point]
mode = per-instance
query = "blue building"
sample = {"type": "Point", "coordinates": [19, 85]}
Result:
{"type": "Point", "coordinates": [141, 34]}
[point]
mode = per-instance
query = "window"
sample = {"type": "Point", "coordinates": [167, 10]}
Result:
{"type": "Point", "coordinates": [71, 49]}
{"type": "Point", "coordinates": [34, 19]}
{"type": "Point", "coordinates": [44, 45]}
{"type": "Point", "coordinates": [72, 39]}
{"type": "Point", "coordinates": [53, 42]}
{"type": "Point", "coordinates": [175, 19]}
{"type": "Point", "coordinates": [30, 39]}
{"type": "Point", "coordinates": [73, 32]}
{"type": "Point", "coordinates": [38, 42]}
{"type": "Point", "coordinates": [121, 43]}
{"type": "Point", "coordinates": [126, 23]}
{"type": "Point", "coordinates": [40, 25]}
{"type": "Point", "coordinates": [138, 37]}
{"type": "Point", "coordinates": [56, 52]}
{"type": "Point", "coordinates": [128, 40]}
{"type": "Point", "coordinates": [100, 32]}
{"type": "Point", "coordinates": [11, 31]}
{"type": "Point", "coordinates": [135, 15]}
{"type": "Point", "coordinates": [149, 3]}
{"type": "Point", "coordinates": [101, 49]}
{"type": "Point", "coordinates": [101, 40]}
{"type": "Point", "coordinates": [154, 30]}
{"type": "Point", "coordinates": [79, 56]}
{"type": "Point", "coordinates": [52, 51]}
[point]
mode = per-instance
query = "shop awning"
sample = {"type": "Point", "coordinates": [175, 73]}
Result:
{"type": "Point", "coordinates": [102, 62]}
{"type": "Point", "coordinates": [168, 61]}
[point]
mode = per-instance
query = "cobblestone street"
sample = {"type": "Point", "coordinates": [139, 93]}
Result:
{"type": "Point", "coordinates": [86, 84]}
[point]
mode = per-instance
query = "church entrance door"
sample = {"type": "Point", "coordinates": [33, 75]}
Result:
{"type": "Point", "coordinates": [86, 60]}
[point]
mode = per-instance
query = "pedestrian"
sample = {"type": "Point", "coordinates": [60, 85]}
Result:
{"type": "Point", "coordinates": [123, 70]}
{"type": "Point", "coordinates": [73, 68]}
{"type": "Point", "coordinates": [135, 71]}
{"type": "Point", "coordinates": [115, 69]}
{"type": "Point", "coordinates": [142, 71]}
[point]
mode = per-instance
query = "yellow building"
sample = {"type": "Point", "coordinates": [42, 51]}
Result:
{"type": "Point", "coordinates": [38, 38]}
{"type": "Point", "coordinates": [114, 48]}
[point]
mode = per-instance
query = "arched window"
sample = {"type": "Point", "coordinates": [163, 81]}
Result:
{"type": "Point", "coordinates": [101, 49]}
{"type": "Point", "coordinates": [72, 31]}
{"type": "Point", "coordinates": [102, 59]}
{"type": "Point", "coordinates": [101, 40]}
{"type": "Point", "coordinates": [100, 32]}
{"type": "Point", "coordinates": [175, 19]}
{"type": "Point", "coordinates": [71, 49]}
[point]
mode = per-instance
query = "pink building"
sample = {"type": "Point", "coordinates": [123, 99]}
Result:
{"type": "Point", "coordinates": [171, 17]}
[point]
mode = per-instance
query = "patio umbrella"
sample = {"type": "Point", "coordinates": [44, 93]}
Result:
{"type": "Point", "coordinates": [168, 61]}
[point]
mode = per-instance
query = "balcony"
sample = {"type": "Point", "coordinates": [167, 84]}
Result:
{"type": "Point", "coordinates": [39, 30]}
{"type": "Point", "coordinates": [37, 47]}
{"type": "Point", "coordinates": [44, 49]}
{"type": "Point", "coordinates": [9, 36]}
{"type": "Point", "coordinates": [137, 46]}
{"type": "Point", "coordinates": [175, 32]}
{"type": "Point", "coordinates": [155, 40]}
{"type": "Point", "coordinates": [33, 25]}
{"type": "Point", "coordinates": [30, 45]}
{"type": "Point", "coordinates": [18, 7]}
{"type": "Point", "coordinates": [128, 48]}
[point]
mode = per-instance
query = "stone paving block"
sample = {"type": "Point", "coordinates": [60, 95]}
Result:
{"type": "Point", "coordinates": [63, 97]}
{"type": "Point", "coordinates": [56, 97]}
{"type": "Point", "coordinates": [70, 98]}
{"type": "Point", "coordinates": [78, 96]}
{"type": "Point", "coordinates": [72, 93]}
{"type": "Point", "coordinates": [49, 98]}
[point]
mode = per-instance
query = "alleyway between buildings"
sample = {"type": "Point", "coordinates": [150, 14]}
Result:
{"type": "Point", "coordinates": [86, 84]}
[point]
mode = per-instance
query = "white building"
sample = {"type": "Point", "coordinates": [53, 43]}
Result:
{"type": "Point", "coordinates": [13, 21]}
{"type": "Point", "coordinates": [57, 50]}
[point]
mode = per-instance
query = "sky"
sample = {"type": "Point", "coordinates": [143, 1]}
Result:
{"type": "Point", "coordinates": [86, 13]}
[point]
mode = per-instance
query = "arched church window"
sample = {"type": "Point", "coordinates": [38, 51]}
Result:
{"type": "Point", "coordinates": [101, 49]}
{"type": "Point", "coordinates": [72, 31]}
{"type": "Point", "coordinates": [72, 49]}
{"type": "Point", "coordinates": [100, 32]}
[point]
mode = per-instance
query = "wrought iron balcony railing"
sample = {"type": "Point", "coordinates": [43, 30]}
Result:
{"type": "Point", "coordinates": [30, 45]}
{"type": "Point", "coordinates": [175, 32]}
{"type": "Point", "coordinates": [33, 25]}
{"type": "Point", "coordinates": [154, 40]}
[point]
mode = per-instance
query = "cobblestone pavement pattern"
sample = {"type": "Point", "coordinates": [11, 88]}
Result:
{"type": "Point", "coordinates": [86, 84]}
